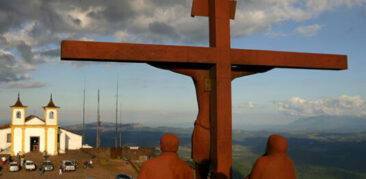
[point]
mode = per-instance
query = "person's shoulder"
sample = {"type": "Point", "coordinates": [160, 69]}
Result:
{"type": "Point", "coordinates": [261, 162]}
{"type": "Point", "coordinates": [151, 161]}
{"type": "Point", "coordinates": [262, 159]}
{"type": "Point", "coordinates": [183, 163]}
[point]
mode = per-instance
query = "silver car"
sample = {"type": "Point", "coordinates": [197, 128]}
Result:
{"type": "Point", "coordinates": [29, 165]}
{"type": "Point", "coordinates": [47, 165]}
{"type": "Point", "coordinates": [68, 165]}
{"type": "Point", "coordinates": [13, 167]}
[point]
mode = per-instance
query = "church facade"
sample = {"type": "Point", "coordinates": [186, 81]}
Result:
{"type": "Point", "coordinates": [32, 133]}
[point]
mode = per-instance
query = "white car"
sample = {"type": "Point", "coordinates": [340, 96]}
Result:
{"type": "Point", "coordinates": [29, 165]}
{"type": "Point", "coordinates": [13, 167]}
{"type": "Point", "coordinates": [68, 165]}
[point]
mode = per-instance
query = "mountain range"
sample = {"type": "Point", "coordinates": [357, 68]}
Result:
{"type": "Point", "coordinates": [328, 124]}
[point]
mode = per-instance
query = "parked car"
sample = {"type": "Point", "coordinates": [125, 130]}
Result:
{"type": "Point", "coordinates": [13, 167]}
{"type": "Point", "coordinates": [124, 176]}
{"type": "Point", "coordinates": [47, 165]}
{"type": "Point", "coordinates": [29, 165]}
{"type": "Point", "coordinates": [68, 165]}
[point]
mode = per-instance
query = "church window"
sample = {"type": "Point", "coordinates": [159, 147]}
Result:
{"type": "Point", "coordinates": [19, 114]}
{"type": "Point", "coordinates": [51, 115]}
{"type": "Point", "coordinates": [8, 138]}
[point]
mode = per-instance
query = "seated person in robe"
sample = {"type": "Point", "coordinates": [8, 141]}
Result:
{"type": "Point", "coordinates": [168, 164]}
{"type": "Point", "coordinates": [274, 164]}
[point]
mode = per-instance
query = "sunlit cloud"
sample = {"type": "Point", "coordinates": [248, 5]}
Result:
{"type": "Point", "coordinates": [310, 30]}
{"type": "Point", "coordinates": [334, 106]}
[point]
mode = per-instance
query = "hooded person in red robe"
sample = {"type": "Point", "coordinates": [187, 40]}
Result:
{"type": "Point", "coordinates": [167, 165]}
{"type": "Point", "coordinates": [274, 164]}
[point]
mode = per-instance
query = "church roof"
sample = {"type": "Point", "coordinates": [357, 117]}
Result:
{"type": "Point", "coordinates": [31, 117]}
{"type": "Point", "coordinates": [69, 131]}
{"type": "Point", "coordinates": [5, 126]}
{"type": "Point", "coordinates": [18, 103]}
{"type": "Point", "coordinates": [51, 104]}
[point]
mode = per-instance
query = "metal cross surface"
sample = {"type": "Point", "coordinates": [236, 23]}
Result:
{"type": "Point", "coordinates": [222, 61]}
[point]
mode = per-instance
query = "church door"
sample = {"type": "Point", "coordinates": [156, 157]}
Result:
{"type": "Point", "coordinates": [34, 143]}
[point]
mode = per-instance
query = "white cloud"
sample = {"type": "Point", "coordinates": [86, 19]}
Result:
{"type": "Point", "coordinates": [342, 105]}
{"type": "Point", "coordinates": [38, 26]}
{"type": "Point", "coordinates": [310, 30]}
{"type": "Point", "coordinates": [13, 84]}
{"type": "Point", "coordinates": [242, 107]}
{"type": "Point", "coordinates": [250, 104]}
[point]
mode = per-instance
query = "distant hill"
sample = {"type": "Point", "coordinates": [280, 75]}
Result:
{"type": "Point", "coordinates": [105, 126]}
{"type": "Point", "coordinates": [132, 134]}
{"type": "Point", "coordinates": [328, 124]}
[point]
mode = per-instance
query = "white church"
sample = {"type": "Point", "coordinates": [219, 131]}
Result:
{"type": "Point", "coordinates": [32, 133]}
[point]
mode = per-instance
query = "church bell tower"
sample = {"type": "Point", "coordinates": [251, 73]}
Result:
{"type": "Point", "coordinates": [51, 113]}
{"type": "Point", "coordinates": [18, 113]}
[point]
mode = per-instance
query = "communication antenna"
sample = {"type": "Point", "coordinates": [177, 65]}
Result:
{"type": "Point", "coordinates": [116, 137]}
{"type": "Point", "coordinates": [98, 123]}
{"type": "Point", "coordinates": [83, 140]}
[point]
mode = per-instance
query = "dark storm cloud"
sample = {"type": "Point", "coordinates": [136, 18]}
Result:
{"type": "Point", "coordinates": [163, 30]}
{"type": "Point", "coordinates": [52, 13]}
{"type": "Point", "coordinates": [25, 51]}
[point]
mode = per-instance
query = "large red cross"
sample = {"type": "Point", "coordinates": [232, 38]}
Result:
{"type": "Point", "coordinates": [221, 59]}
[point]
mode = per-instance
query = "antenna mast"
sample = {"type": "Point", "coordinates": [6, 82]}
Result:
{"type": "Point", "coordinates": [116, 137]}
{"type": "Point", "coordinates": [83, 141]}
{"type": "Point", "coordinates": [98, 123]}
{"type": "Point", "coordinates": [120, 124]}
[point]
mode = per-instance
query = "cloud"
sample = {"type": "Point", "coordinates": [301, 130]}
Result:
{"type": "Point", "coordinates": [13, 84]}
{"type": "Point", "coordinates": [11, 69]}
{"type": "Point", "coordinates": [14, 73]}
{"type": "Point", "coordinates": [165, 30]}
{"type": "Point", "coordinates": [250, 104]}
{"type": "Point", "coordinates": [242, 107]}
{"type": "Point", "coordinates": [45, 20]}
{"type": "Point", "coordinates": [310, 30]}
{"type": "Point", "coordinates": [342, 105]}
{"type": "Point", "coordinates": [32, 32]}
{"type": "Point", "coordinates": [50, 52]}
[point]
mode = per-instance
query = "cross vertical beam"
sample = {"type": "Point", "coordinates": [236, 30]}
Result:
{"type": "Point", "coordinates": [221, 127]}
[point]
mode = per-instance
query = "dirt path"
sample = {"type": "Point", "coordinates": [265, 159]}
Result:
{"type": "Point", "coordinates": [104, 168]}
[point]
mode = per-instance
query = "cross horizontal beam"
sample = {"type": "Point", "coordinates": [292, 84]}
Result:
{"type": "Point", "coordinates": [280, 59]}
{"type": "Point", "coordinates": [127, 52]}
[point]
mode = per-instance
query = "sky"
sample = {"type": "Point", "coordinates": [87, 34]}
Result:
{"type": "Point", "coordinates": [30, 36]}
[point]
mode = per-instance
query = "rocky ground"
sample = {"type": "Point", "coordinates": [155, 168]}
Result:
{"type": "Point", "coordinates": [103, 166]}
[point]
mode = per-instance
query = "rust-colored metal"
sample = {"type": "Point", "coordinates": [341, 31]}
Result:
{"type": "Point", "coordinates": [127, 52]}
{"type": "Point", "coordinates": [200, 8]}
{"type": "Point", "coordinates": [212, 69]}
{"type": "Point", "coordinates": [275, 162]}
{"type": "Point", "coordinates": [167, 164]}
